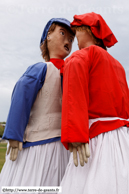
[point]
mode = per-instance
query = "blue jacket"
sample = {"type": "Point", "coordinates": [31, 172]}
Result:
{"type": "Point", "coordinates": [23, 97]}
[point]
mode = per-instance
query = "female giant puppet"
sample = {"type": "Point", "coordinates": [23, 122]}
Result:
{"type": "Point", "coordinates": [35, 115]}
{"type": "Point", "coordinates": [95, 110]}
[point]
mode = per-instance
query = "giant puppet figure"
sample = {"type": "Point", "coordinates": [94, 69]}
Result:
{"type": "Point", "coordinates": [34, 119]}
{"type": "Point", "coordinates": [95, 110]}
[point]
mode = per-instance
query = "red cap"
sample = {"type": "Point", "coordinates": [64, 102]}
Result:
{"type": "Point", "coordinates": [98, 27]}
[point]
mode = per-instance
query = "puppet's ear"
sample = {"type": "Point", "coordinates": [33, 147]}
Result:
{"type": "Point", "coordinates": [48, 36]}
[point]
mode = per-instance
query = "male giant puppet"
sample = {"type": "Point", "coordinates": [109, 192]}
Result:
{"type": "Point", "coordinates": [95, 110]}
{"type": "Point", "coordinates": [35, 115]}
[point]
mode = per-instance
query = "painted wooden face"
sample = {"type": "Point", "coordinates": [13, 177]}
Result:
{"type": "Point", "coordinates": [59, 42]}
{"type": "Point", "coordinates": [84, 39]}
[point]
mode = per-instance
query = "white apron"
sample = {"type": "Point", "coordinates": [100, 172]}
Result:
{"type": "Point", "coordinates": [42, 165]}
{"type": "Point", "coordinates": [107, 170]}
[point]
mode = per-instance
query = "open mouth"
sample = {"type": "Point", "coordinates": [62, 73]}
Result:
{"type": "Point", "coordinates": [66, 47]}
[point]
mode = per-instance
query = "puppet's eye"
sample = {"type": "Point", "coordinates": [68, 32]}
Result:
{"type": "Point", "coordinates": [62, 33]}
{"type": "Point", "coordinates": [71, 40]}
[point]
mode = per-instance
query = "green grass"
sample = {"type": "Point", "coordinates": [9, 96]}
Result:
{"type": "Point", "coordinates": [3, 147]}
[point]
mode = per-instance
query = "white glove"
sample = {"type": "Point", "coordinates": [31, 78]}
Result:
{"type": "Point", "coordinates": [13, 148]}
{"type": "Point", "coordinates": [83, 150]}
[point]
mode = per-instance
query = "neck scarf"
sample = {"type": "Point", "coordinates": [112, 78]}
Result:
{"type": "Point", "coordinates": [59, 64]}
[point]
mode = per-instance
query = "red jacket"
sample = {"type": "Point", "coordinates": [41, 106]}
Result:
{"type": "Point", "coordinates": [94, 86]}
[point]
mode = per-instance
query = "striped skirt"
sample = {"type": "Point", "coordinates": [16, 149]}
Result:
{"type": "Point", "coordinates": [42, 165]}
{"type": "Point", "coordinates": [107, 170]}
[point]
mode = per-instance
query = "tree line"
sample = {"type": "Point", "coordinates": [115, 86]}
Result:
{"type": "Point", "coordinates": [2, 126]}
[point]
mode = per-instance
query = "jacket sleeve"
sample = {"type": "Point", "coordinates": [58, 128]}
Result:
{"type": "Point", "coordinates": [23, 97]}
{"type": "Point", "coordinates": [75, 124]}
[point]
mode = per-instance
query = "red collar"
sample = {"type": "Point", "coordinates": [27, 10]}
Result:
{"type": "Point", "coordinates": [59, 64]}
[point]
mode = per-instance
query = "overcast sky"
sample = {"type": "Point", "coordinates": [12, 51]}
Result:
{"type": "Point", "coordinates": [21, 27]}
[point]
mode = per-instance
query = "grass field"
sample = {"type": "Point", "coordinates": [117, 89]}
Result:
{"type": "Point", "coordinates": [3, 147]}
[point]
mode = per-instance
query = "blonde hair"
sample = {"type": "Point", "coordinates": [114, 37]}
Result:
{"type": "Point", "coordinates": [97, 41]}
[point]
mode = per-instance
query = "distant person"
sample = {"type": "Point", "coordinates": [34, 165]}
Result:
{"type": "Point", "coordinates": [36, 154]}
